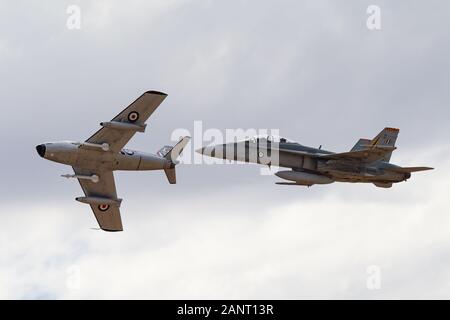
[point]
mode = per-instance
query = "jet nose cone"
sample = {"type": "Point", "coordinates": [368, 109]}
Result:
{"type": "Point", "coordinates": [207, 151]}
{"type": "Point", "coordinates": [41, 150]}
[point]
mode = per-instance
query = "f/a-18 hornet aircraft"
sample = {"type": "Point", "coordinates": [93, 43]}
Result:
{"type": "Point", "coordinates": [367, 161]}
{"type": "Point", "coordinates": [94, 160]}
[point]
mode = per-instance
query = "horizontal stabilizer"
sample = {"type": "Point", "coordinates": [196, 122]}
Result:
{"type": "Point", "coordinates": [386, 148]}
{"type": "Point", "coordinates": [409, 169]}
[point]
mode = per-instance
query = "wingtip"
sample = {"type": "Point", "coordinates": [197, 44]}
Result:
{"type": "Point", "coordinates": [156, 92]}
{"type": "Point", "coordinates": [392, 129]}
{"type": "Point", "coordinates": [425, 168]}
{"type": "Point", "coordinates": [112, 230]}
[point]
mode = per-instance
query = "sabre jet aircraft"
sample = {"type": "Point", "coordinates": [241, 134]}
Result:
{"type": "Point", "coordinates": [367, 161]}
{"type": "Point", "coordinates": [94, 160]}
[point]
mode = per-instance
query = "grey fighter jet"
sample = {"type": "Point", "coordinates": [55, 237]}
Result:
{"type": "Point", "coordinates": [367, 161]}
{"type": "Point", "coordinates": [94, 160]}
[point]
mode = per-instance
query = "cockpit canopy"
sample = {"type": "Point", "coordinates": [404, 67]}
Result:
{"type": "Point", "coordinates": [270, 138]}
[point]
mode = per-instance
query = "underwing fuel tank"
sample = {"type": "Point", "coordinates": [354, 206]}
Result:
{"type": "Point", "coordinates": [303, 178]}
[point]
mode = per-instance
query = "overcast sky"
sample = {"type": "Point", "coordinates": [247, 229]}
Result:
{"type": "Point", "coordinates": [311, 69]}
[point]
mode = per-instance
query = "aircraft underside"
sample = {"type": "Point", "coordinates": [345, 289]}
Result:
{"type": "Point", "coordinates": [346, 177]}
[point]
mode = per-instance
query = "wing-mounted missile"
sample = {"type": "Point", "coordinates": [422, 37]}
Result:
{"type": "Point", "coordinates": [288, 184]}
{"type": "Point", "coordinates": [99, 201]}
{"type": "Point", "coordinates": [303, 178]}
{"type": "Point", "coordinates": [94, 178]}
{"type": "Point", "coordinates": [93, 146]}
{"type": "Point", "coordinates": [124, 126]}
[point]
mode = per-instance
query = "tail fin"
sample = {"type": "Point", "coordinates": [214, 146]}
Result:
{"type": "Point", "coordinates": [175, 152]}
{"type": "Point", "coordinates": [361, 144]}
{"type": "Point", "coordinates": [171, 175]}
{"type": "Point", "coordinates": [386, 138]}
{"type": "Point", "coordinates": [172, 153]}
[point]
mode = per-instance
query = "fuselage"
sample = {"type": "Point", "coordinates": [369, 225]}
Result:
{"type": "Point", "coordinates": [73, 154]}
{"type": "Point", "coordinates": [306, 159]}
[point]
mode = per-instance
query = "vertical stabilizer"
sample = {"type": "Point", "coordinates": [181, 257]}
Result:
{"type": "Point", "coordinates": [361, 144]}
{"type": "Point", "coordinates": [386, 138]}
{"type": "Point", "coordinates": [171, 175]}
{"type": "Point", "coordinates": [172, 153]}
{"type": "Point", "coordinates": [175, 152]}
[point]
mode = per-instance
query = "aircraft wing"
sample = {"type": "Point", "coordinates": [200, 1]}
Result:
{"type": "Point", "coordinates": [107, 215]}
{"type": "Point", "coordinates": [365, 155]}
{"type": "Point", "coordinates": [137, 113]}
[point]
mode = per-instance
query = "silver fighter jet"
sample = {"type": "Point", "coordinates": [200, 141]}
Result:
{"type": "Point", "coordinates": [94, 160]}
{"type": "Point", "coordinates": [367, 161]}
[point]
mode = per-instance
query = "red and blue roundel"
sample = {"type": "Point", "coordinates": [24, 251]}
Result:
{"type": "Point", "coordinates": [133, 116]}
